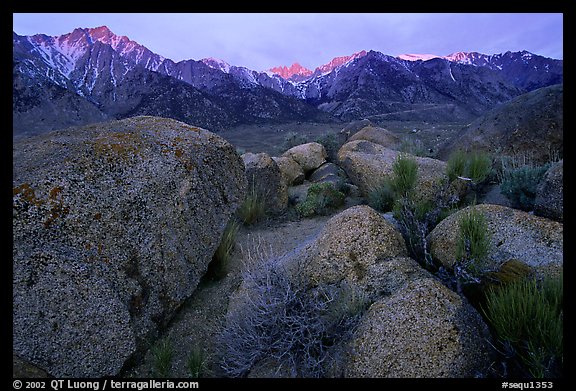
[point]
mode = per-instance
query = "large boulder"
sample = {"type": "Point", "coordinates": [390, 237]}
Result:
{"type": "Point", "coordinates": [368, 164]}
{"type": "Point", "coordinates": [265, 177]}
{"type": "Point", "coordinates": [514, 234]}
{"type": "Point", "coordinates": [291, 171]}
{"type": "Point", "coordinates": [309, 156]}
{"type": "Point", "coordinates": [354, 246]}
{"type": "Point", "coordinates": [550, 195]}
{"type": "Point", "coordinates": [378, 136]}
{"type": "Point", "coordinates": [422, 330]}
{"type": "Point", "coordinates": [114, 224]}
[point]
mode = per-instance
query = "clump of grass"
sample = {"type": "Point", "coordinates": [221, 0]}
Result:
{"type": "Point", "coordinates": [475, 166]}
{"type": "Point", "coordinates": [529, 318]}
{"type": "Point", "coordinates": [219, 265]}
{"type": "Point", "coordinates": [405, 171]}
{"type": "Point", "coordinates": [253, 208]}
{"type": "Point", "coordinates": [521, 184]}
{"type": "Point", "coordinates": [473, 244]}
{"type": "Point", "coordinates": [400, 184]}
{"type": "Point", "coordinates": [196, 363]}
{"type": "Point", "coordinates": [162, 354]}
{"type": "Point", "coordinates": [321, 199]}
{"type": "Point", "coordinates": [456, 165]}
{"type": "Point", "coordinates": [383, 196]}
{"type": "Point", "coordinates": [479, 167]}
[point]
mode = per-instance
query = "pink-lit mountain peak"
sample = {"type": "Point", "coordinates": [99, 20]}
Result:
{"type": "Point", "coordinates": [294, 70]}
{"type": "Point", "coordinates": [338, 61]}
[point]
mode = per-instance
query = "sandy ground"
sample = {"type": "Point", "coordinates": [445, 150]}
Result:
{"type": "Point", "coordinates": [202, 315]}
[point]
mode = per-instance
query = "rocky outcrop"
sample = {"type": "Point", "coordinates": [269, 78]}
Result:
{"type": "Point", "coordinates": [265, 177]}
{"type": "Point", "coordinates": [114, 224]}
{"type": "Point", "coordinates": [514, 234]}
{"type": "Point", "coordinates": [309, 156]}
{"type": "Point", "coordinates": [415, 326]}
{"type": "Point", "coordinates": [368, 164]}
{"type": "Point", "coordinates": [422, 330]}
{"type": "Point", "coordinates": [550, 195]}
{"type": "Point", "coordinates": [291, 171]}
{"type": "Point", "coordinates": [378, 136]}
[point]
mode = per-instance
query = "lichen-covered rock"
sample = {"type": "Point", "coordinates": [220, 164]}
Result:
{"type": "Point", "coordinates": [356, 246]}
{"type": "Point", "coordinates": [515, 234]}
{"type": "Point", "coordinates": [114, 224]}
{"type": "Point", "coordinates": [264, 175]}
{"type": "Point", "coordinates": [368, 164]}
{"type": "Point", "coordinates": [377, 135]}
{"type": "Point", "coordinates": [291, 171]}
{"type": "Point", "coordinates": [422, 330]}
{"type": "Point", "coordinates": [550, 195]}
{"type": "Point", "coordinates": [309, 156]}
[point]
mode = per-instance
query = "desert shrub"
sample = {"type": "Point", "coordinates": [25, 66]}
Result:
{"type": "Point", "coordinates": [218, 266]}
{"type": "Point", "coordinates": [162, 354]}
{"type": "Point", "coordinates": [196, 363]}
{"type": "Point", "coordinates": [321, 199]}
{"type": "Point", "coordinates": [293, 139]}
{"type": "Point", "coordinates": [283, 322]}
{"type": "Point", "coordinates": [529, 319]}
{"type": "Point", "coordinates": [521, 184]}
{"type": "Point", "coordinates": [416, 220]}
{"type": "Point", "coordinates": [472, 245]}
{"type": "Point", "coordinates": [413, 147]}
{"type": "Point", "coordinates": [332, 144]}
{"type": "Point", "coordinates": [253, 208]}
{"type": "Point", "coordinates": [405, 171]}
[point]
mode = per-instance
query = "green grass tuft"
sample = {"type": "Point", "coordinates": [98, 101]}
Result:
{"type": "Point", "coordinates": [196, 363]}
{"type": "Point", "coordinates": [473, 241]}
{"type": "Point", "coordinates": [405, 170]}
{"type": "Point", "coordinates": [218, 267]}
{"type": "Point", "coordinates": [456, 165]}
{"type": "Point", "coordinates": [253, 209]}
{"type": "Point", "coordinates": [529, 318]}
{"type": "Point", "coordinates": [162, 354]}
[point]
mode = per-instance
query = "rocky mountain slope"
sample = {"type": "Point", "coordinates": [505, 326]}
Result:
{"type": "Point", "coordinates": [110, 76]}
{"type": "Point", "coordinates": [531, 124]}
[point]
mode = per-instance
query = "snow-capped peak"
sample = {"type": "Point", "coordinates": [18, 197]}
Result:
{"type": "Point", "coordinates": [417, 57]}
{"type": "Point", "coordinates": [217, 64]}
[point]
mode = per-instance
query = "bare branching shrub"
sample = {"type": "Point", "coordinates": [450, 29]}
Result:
{"type": "Point", "coordinates": [283, 322]}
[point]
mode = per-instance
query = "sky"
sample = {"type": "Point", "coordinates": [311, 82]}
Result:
{"type": "Point", "coordinates": [260, 41]}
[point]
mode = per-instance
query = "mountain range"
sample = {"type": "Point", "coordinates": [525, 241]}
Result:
{"type": "Point", "coordinates": [91, 74]}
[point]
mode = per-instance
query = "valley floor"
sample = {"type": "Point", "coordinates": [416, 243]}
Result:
{"type": "Point", "coordinates": [419, 136]}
